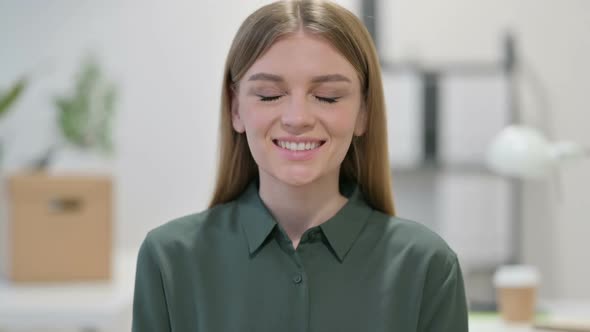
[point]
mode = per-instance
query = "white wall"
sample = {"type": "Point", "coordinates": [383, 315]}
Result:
{"type": "Point", "coordinates": [166, 57]}
{"type": "Point", "coordinates": [554, 43]}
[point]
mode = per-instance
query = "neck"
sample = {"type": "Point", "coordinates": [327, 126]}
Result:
{"type": "Point", "coordinates": [298, 208]}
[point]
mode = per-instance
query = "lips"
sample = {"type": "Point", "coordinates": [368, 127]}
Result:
{"type": "Point", "coordinates": [292, 152]}
{"type": "Point", "coordinates": [300, 145]}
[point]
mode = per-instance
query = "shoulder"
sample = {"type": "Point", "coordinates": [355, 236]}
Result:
{"type": "Point", "coordinates": [184, 233]}
{"type": "Point", "coordinates": [413, 239]}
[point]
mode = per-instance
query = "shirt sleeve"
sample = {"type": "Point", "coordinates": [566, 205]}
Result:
{"type": "Point", "coordinates": [150, 312]}
{"type": "Point", "coordinates": [444, 306]}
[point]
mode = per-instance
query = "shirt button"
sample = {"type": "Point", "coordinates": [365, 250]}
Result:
{"type": "Point", "coordinates": [297, 278]}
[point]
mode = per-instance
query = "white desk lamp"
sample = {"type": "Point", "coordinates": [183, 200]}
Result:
{"type": "Point", "coordinates": [525, 153]}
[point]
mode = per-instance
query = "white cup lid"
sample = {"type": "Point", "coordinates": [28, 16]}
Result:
{"type": "Point", "coordinates": [513, 276]}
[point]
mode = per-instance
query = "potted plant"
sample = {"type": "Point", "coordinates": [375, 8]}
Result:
{"type": "Point", "coordinates": [85, 117]}
{"type": "Point", "coordinates": [66, 220]}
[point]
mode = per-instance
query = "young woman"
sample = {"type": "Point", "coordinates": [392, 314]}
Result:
{"type": "Point", "coordinates": [300, 234]}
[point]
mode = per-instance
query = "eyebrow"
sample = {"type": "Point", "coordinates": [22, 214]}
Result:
{"type": "Point", "coordinates": [265, 77]}
{"type": "Point", "coordinates": [330, 78]}
{"type": "Point", "coordinates": [315, 79]}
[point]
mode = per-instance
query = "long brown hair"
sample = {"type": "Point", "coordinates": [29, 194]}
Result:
{"type": "Point", "coordinates": [366, 161]}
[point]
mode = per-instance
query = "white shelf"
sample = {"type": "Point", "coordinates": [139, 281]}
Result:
{"type": "Point", "coordinates": [80, 305]}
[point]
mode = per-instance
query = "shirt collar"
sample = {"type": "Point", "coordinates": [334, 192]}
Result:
{"type": "Point", "coordinates": [344, 227]}
{"type": "Point", "coordinates": [255, 218]}
{"type": "Point", "coordinates": [341, 230]}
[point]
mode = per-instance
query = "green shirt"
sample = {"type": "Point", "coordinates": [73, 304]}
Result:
{"type": "Point", "coordinates": [232, 268]}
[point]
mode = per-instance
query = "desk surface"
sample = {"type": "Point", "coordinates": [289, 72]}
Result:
{"type": "Point", "coordinates": [570, 312]}
{"type": "Point", "coordinates": [98, 304]}
{"type": "Point", "coordinates": [81, 304]}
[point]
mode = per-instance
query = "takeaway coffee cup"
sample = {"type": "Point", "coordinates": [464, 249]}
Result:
{"type": "Point", "coordinates": [516, 291]}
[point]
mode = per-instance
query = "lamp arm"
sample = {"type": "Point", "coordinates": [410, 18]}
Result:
{"type": "Point", "coordinates": [569, 151]}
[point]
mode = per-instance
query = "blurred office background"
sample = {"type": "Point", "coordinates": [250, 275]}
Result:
{"type": "Point", "coordinates": [166, 59]}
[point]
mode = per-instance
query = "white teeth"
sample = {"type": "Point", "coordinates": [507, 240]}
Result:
{"type": "Point", "coordinates": [298, 146]}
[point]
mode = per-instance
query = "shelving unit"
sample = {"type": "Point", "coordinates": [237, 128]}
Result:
{"type": "Point", "coordinates": [417, 186]}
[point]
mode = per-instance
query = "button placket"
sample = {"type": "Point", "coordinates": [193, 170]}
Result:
{"type": "Point", "coordinates": [297, 278]}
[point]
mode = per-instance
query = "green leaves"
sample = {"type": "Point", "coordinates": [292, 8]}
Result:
{"type": "Point", "coordinates": [85, 116]}
{"type": "Point", "coordinates": [7, 99]}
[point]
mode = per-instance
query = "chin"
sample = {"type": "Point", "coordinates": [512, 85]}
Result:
{"type": "Point", "coordinates": [297, 177]}
{"type": "Point", "coordinates": [296, 181]}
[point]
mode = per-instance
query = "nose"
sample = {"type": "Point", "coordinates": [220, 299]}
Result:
{"type": "Point", "coordinates": [297, 116]}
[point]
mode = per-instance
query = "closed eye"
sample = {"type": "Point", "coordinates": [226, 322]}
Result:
{"type": "Point", "coordinates": [269, 98]}
{"type": "Point", "coordinates": [320, 99]}
{"type": "Point", "coordinates": [327, 100]}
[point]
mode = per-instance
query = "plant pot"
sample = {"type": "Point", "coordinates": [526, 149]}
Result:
{"type": "Point", "coordinates": [59, 228]}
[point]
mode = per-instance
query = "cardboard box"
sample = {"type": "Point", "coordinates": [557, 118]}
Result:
{"type": "Point", "coordinates": [59, 227]}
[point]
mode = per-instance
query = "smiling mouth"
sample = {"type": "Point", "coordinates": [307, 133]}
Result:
{"type": "Point", "coordinates": [298, 146]}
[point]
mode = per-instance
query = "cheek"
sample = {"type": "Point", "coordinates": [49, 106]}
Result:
{"type": "Point", "coordinates": [255, 120]}
{"type": "Point", "coordinates": [258, 124]}
{"type": "Point", "coordinates": [340, 123]}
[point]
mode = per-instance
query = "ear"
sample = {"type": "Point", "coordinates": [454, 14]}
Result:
{"type": "Point", "coordinates": [361, 121]}
{"type": "Point", "coordinates": [237, 122]}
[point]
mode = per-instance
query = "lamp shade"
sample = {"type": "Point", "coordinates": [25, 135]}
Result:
{"type": "Point", "coordinates": [525, 153]}
{"type": "Point", "coordinates": [521, 152]}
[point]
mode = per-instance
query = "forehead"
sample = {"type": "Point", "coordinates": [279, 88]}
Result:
{"type": "Point", "coordinates": [302, 56]}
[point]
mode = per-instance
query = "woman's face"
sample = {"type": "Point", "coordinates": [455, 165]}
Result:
{"type": "Point", "coordinates": [299, 105]}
